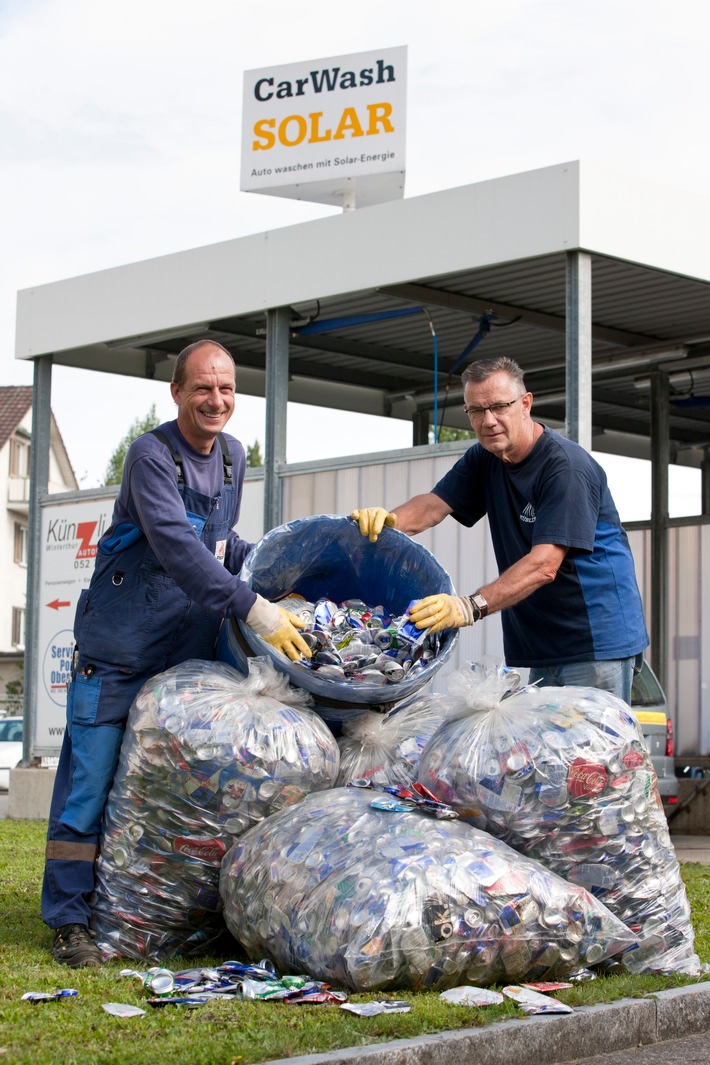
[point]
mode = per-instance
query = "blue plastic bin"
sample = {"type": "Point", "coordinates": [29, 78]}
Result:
{"type": "Point", "coordinates": [326, 555]}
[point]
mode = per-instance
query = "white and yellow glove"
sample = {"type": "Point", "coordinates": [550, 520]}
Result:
{"type": "Point", "coordinates": [437, 612]}
{"type": "Point", "coordinates": [372, 521]}
{"type": "Point", "coordinates": [279, 628]}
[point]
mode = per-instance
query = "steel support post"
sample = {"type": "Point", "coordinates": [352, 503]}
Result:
{"type": "Point", "coordinates": [660, 454]}
{"type": "Point", "coordinates": [277, 333]}
{"type": "Point", "coordinates": [39, 481]}
{"type": "Point", "coordinates": [420, 428]}
{"type": "Point", "coordinates": [705, 482]}
{"type": "Point", "coordinates": [578, 340]}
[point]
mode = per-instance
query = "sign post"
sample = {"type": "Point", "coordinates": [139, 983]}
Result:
{"type": "Point", "coordinates": [70, 533]}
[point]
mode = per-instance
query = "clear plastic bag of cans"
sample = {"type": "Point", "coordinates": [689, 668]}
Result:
{"type": "Point", "coordinates": [563, 775]}
{"type": "Point", "coordinates": [363, 891]}
{"type": "Point", "coordinates": [206, 754]}
{"type": "Point", "coordinates": [386, 748]}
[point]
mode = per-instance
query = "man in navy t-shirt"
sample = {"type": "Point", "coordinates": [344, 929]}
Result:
{"type": "Point", "coordinates": [571, 608]}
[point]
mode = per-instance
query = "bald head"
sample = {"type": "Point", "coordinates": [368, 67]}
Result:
{"type": "Point", "coordinates": [203, 389]}
{"type": "Point", "coordinates": [179, 369]}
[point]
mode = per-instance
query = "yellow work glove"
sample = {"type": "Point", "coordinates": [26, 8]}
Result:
{"type": "Point", "coordinates": [372, 521]}
{"type": "Point", "coordinates": [279, 628]}
{"type": "Point", "coordinates": [443, 611]}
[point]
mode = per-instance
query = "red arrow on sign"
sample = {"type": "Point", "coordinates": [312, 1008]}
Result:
{"type": "Point", "coordinates": [56, 603]}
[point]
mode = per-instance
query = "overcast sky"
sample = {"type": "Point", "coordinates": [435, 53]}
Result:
{"type": "Point", "coordinates": [120, 129]}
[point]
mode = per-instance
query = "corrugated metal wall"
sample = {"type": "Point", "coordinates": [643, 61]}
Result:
{"type": "Point", "coordinates": [688, 681]}
{"type": "Point", "coordinates": [467, 554]}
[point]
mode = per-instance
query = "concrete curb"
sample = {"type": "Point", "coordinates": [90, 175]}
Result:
{"type": "Point", "coordinates": [542, 1040]}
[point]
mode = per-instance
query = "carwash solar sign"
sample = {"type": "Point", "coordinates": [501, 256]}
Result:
{"type": "Point", "coordinates": [327, 130]}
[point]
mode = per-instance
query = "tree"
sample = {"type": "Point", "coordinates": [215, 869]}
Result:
{"type": "Point", "coordinates": [114, 469]}
{"type": "Point", "coordinates": [254, 454]}
{"type": "Point", "coordinates": [446, 433]}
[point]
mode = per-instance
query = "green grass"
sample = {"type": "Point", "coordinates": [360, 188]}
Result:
{"type": "Point", "coordinates": [78, 1031]}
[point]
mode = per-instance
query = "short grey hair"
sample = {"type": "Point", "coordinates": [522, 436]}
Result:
{"type": "Point", "coordinates": [482, 369]}
{"type": "Point", "coordinates": [180, 367]}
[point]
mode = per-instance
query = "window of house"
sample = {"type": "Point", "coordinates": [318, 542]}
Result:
{"type": "Point", "coordinates": [18, 627]}
{"type": "Point", "coordinates": [20, 544]}
{"type": "Point", "coordinates": [19, 457]}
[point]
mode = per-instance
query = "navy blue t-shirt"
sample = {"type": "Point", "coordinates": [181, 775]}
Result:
{"type": "Point", "coordinates": [149, 498]}
{"type": "Point", "coordinates": [559, 495]}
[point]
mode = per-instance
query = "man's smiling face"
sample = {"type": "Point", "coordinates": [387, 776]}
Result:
{"type": "Point", "coordinates": [205, 399]}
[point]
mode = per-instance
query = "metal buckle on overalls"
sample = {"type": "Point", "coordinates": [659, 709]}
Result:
{"type": "Point", "coordinates": [117, 579]}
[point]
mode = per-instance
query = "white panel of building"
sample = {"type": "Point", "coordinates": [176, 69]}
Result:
{"type": "Point", "coordinates": [509, 218]}
{"type": "Point", "coordinates": [687, 684]}
{"type": "Point", "coordinates": [251, 518]}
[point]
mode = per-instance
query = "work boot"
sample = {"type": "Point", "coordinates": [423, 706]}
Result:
{"type": "Point", "coordinates": [74, 946]}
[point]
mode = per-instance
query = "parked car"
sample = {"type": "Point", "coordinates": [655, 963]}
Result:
{"type": "Point", "coordinates": [10, 748]}
{"type": "Point", "coordinates": [649, 704]}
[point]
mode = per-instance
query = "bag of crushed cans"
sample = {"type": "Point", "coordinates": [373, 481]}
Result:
{"type": "Point", "coordinates": [206, 754]}
{"type": "Point", "coordinates": [386, 748]}
{"type": "Point", "coordinates": [362, 889]}
{"type": "Point", "coordinates": [563, 775]}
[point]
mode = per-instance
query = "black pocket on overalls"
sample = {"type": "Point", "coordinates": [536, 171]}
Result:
{"type": "Point", "coordinates": [118, 618]}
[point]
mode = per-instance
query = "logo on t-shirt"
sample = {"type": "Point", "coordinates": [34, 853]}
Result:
{"type": "Point", "coordinates": [528, 513]}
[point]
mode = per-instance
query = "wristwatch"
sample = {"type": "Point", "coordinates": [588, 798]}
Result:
{"type": "Point", "coordinates": [479, 605]}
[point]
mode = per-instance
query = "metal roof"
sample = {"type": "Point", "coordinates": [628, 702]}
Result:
{"type": "Point", "coordinates": [494, 253]}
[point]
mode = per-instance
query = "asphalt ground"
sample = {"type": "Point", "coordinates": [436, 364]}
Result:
{"type": "Point", "coordinates": [691, 848]}
{"type": "Point", "coordinates": [693, 1048]}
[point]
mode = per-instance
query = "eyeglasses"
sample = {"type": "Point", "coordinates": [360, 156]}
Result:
{"type": "Point", "coordinates": [495, 409]}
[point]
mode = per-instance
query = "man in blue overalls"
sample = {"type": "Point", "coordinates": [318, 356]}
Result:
{"type": "Point", "coordinates": [165, 576]}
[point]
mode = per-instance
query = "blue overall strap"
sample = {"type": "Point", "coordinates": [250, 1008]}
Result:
{"type": "Point", "coordinates": [226, 457]}
{"type": "Point", "coordinates": [176, 458]}
{"type": "Point", "coordinates": [226, 460]}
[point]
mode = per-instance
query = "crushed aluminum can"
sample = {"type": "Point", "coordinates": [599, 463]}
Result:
{"type": "Point", "coordinates": [48, 996]}
{"type": "Point", "coordinates": [191, 1001]}
{"type": "Point", "coordinates": [534, 1002]}
{"type": "Point", "coordinates": [372, 1009]}
{"type": "Point", "coordinates": [551, 1006]}
{"type": "Point", "coordinates": [159, 981]}
{"type": "Point", "coordinates": [546, 986]}
{"type": "Point", "coordinates": [122, 1009]}
{"type": "Point", "coordinates": [472, 996]}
